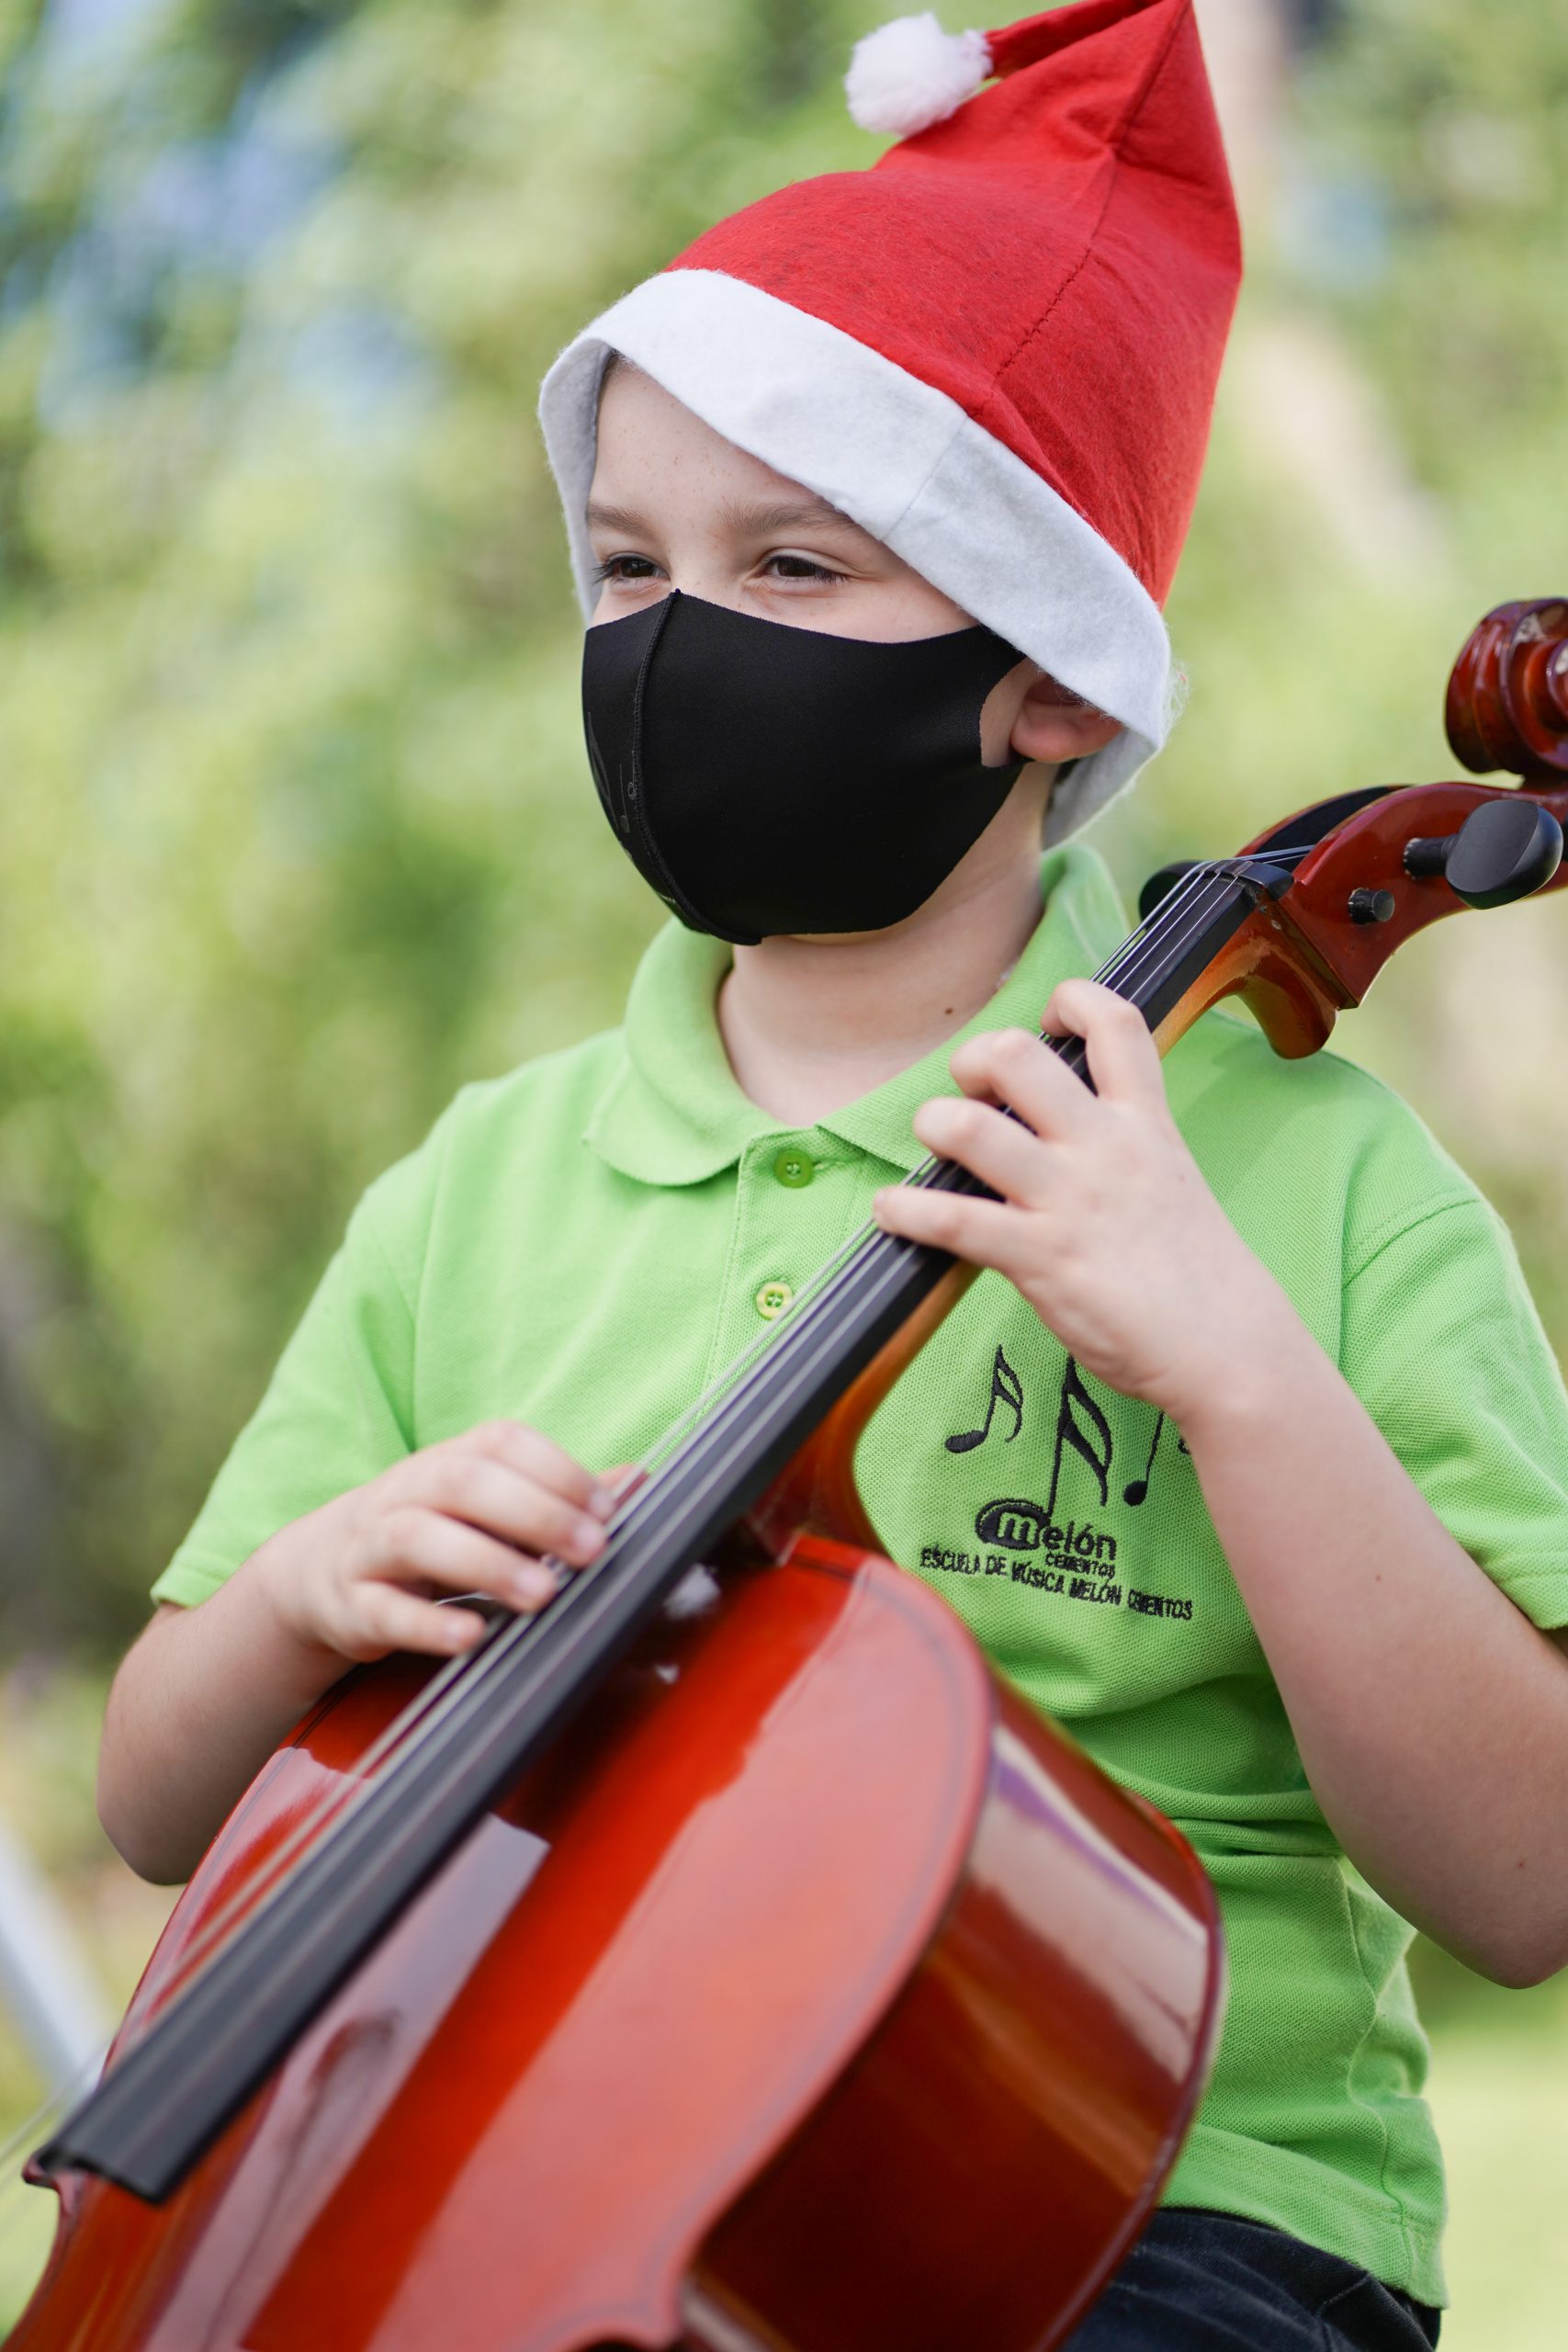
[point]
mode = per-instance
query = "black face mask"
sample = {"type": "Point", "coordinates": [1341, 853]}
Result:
{"type": "Point", "coordinates": [769, 779]}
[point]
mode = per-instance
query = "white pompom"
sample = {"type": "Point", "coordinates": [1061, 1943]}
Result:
{"type": "Point", "coordinates": [909, 74]}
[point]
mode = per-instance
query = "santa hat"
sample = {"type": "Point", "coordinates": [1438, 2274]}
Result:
{"type": "Point", "coordinates": [995, 350]}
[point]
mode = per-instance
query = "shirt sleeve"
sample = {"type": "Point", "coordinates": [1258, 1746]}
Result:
{"type": "Point", "coordinates": [338, 1408]}
{"type": "Point", "coordinates": [1442, 1342]}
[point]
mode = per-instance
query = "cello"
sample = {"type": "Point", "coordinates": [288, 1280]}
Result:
{"type": "Point", "coordinates": [726, 1956]}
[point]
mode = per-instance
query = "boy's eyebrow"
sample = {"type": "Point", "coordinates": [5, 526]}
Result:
{"type": "Point", "coordinates": [797, 514]}
{"type": "Point", "coordinates": [793, 514]}
{"type": "Point", "coordinates": [613, 518]}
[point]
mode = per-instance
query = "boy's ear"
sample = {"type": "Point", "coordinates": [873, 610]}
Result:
{"type": "Point", "coordinates": [1054, 724]}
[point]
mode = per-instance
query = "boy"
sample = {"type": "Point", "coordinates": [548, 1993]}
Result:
{"type": "Point", "coordinates": [875, 510]}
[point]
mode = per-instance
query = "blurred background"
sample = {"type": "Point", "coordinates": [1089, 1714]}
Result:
{"type": "Point", "coordinates": [295, 832]}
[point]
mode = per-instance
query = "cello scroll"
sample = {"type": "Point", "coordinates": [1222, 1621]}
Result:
{"type": "Point", "coordinates": [1507, 699]}
{"type": "Point", "coordinates": [1369, 871]}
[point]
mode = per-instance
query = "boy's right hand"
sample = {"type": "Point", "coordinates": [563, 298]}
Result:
{"type": "Point", "coordinates": [360, 1577]}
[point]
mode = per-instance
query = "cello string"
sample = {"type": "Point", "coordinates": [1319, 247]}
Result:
{"type": "Point", "coordinates": [460, 1680]}
{"type": "Point", "coordinates": [17, 2142]}
{"type": "Point", "coordinates": [918, 1175]}
{"type": "Point", "coordinates": [593, 1593]}
{"type": "Point", "coordinates": [1177, 902]}
{"type": "Point", "coordinates": [1114, 970]}
{"type": "Point", "coordinates": [725, 1381]}
{"type": "Point", "coordinates": [429, 1698]}
{"type": "Point", "coordinates": [17, 2200]}
{"type": "Point", "coordinates": [922, 1174]}
{"type": "Point", "coordinates": [892, 1262]}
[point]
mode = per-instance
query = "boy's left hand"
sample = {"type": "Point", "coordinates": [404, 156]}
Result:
{"type": "Point", "coordinates": [1105, 1223]}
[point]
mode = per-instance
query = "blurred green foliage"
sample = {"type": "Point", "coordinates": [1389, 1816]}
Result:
{"type": "Point", "coordinates": [294, 834]}
{"type": "Point", "coordinates": [294, 828]}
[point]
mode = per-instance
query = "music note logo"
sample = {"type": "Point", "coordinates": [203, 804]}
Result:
{"type": "Point", "coordinates": [1006, 1389]}
{"type": "Point", "coordinates": [1137, 1491]}
{"type": "Point", "coordinates": [1082, 1425]}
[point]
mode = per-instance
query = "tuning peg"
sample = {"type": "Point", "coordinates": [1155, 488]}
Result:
{"type": "Point", "coordinates": [1503, 850]}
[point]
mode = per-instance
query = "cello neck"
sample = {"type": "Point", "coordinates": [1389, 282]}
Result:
{"type": "Point", "coordinates": [166, 2100]}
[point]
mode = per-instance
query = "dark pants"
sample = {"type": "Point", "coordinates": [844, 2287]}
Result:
{"type": "Point", "coordinates": [1209, 2283]}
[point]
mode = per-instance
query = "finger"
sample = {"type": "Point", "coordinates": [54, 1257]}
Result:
{"type": "Point", "coordinates": [1001, 1151]}
{"type": "Point", "coordinates": [503, 1502]}
{"type": "Point", "coordinates": [382, 1618]}
{"type": "Point", "coordinates": [428, 1545]}
{"type": "Point", "coordinates": [621, 1484]}
{"type": "Point", "coordinates": [986, 1233]}
{"type": "Point", "coordinates": [534, 1456]}
{"type": "Point", "coordinates": [1124, 1060]}
{"type": "Point", "coordinates": [1012, 1066]}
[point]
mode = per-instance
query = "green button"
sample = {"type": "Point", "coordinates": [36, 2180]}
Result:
{"type": "Point", "coordinates": [772, 1300]}
{"type": "Point", "coordinates": [793, 1168]}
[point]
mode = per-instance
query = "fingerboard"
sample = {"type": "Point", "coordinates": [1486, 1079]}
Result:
{"type": "Point", "coordinates": [166, 2100]}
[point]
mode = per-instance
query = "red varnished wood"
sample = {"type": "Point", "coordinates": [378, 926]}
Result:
{"type": "Point", "coordinates": [1507, 697]}
{"type": "Point", "coordinates": [555, 2071]}
{"type": "Point", "coordinates": [816, 1492]}
{"type": "Point", "coordinates": [632, 1990]}
{"type": "Point", "coordinates": [1296, 1001]}
{"type": "Point", "coordinates": [813, 1994]}
{"type": "Point", "coordinates": [1369, 851]}
{"type": "Point", "coordinates": [975, 2176]}
{"type": "Point", "coordinates": [1302, 961]}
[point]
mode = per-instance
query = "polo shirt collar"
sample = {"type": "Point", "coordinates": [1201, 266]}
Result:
{"type": "Point", "coordinates": [672, 1112]}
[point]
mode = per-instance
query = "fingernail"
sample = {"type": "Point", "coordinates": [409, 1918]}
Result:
{"type": "Point", "coordinates": [533, 1587]}
{"type": "Point", "coordinates": [590, 1535]}
{"type": "Point", "coordinates": [601, 1502]}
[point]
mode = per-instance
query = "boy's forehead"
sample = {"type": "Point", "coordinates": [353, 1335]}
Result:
{"type": "Point", "coordinates": [649, 442]}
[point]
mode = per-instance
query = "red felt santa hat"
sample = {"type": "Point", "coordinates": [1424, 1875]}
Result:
{"type": "Point", "coordinates": [995, 350]}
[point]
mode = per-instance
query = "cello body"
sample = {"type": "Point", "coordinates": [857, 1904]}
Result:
{"type": "Point", "coordinates": [803, 1990]}
{"type": "Point", "coordinates": [812, 1991]}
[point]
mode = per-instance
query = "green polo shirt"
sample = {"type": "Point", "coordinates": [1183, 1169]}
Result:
{"type": "Point", "coordinates": [586, 1242]}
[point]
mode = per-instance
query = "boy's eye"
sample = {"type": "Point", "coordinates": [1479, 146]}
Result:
{"type": "Point", "coordinates": [625, 567]}
{"type": "Point", "coordinates": [800, 566]}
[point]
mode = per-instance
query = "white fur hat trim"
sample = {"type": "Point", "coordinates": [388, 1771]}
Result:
{"type": "Point", "coordinates": [906, 463]}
